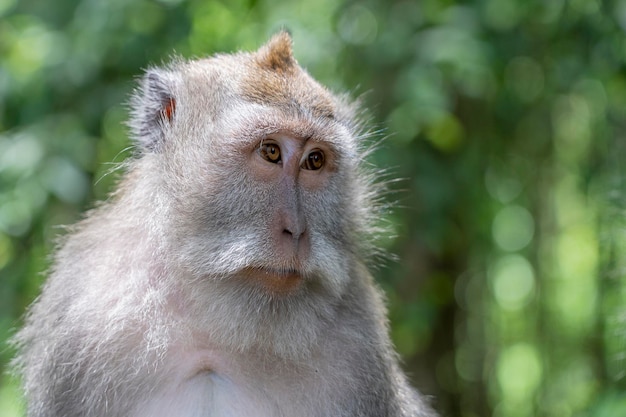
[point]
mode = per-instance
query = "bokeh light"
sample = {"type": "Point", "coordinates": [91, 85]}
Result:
{"type": "Point", "coordinates": [513, 282]}
{"type": "Point", "coordinates": [513, 228]}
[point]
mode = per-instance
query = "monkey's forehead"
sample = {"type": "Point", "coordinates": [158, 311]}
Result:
{"type": "Point", "coordinates": [251, 77]}
{"type": "Point", "coordinates": [290, 89]}
{"type": "Point", "coordinates": [273, 77]}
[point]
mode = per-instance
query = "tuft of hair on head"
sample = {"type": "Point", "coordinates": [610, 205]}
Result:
{"type": "Point", "coordinates": [152, 109]}
{"type": "Point", "coordinates": [277, 53]}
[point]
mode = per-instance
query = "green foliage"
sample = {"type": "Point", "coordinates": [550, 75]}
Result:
{"type": "Point", "coordinates": [505, 119]}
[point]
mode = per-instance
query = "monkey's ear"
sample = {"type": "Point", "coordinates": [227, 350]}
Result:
{"type": "Point", "coordinates": [153, 109]}
{"type": "Point", "coordinates": [277, 53]}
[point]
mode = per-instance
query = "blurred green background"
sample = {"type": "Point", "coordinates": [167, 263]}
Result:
{"type": "Point", "coordinates": [506, 120]}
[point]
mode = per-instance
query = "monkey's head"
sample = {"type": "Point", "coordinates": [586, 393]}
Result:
{"type": "Point", "coordinates": [258, 172]}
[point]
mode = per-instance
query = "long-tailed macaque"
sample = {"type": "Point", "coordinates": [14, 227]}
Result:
{"type": "Point", "coordinates": [225, 275]}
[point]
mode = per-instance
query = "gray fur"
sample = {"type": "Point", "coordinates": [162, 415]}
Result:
{"type": "Point", "coordinates": [145, 311]}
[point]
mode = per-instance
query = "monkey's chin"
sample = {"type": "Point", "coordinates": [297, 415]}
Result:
{"type": "Point", "coordinates": [274, 281]}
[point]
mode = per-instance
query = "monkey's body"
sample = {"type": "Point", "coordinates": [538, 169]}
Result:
{"type": "Point", "coordinates": [224, 277]}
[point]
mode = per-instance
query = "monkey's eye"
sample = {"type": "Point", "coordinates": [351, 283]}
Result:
{"type": "Point", "coordinates": [270, 152]}
{"type": "Point", "coordinates": [314, 160]}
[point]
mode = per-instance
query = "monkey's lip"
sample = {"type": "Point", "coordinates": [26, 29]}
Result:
{"type": "Point", "coordinates": [281, 281]}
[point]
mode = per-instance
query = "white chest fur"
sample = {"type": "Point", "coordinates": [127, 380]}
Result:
{"type": "Point", "coordinates": [259, 388]}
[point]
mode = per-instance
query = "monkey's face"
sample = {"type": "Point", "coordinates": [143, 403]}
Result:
{"type": "Point", "coordinates": [266, 200]}
{"type": "Point", "coordinates": [261, 199]}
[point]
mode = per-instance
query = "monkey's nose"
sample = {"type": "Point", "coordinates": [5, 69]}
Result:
{"type": "Point", "coordinates": [293, 232]}
{"type": "Point", "coordinates": [293, 240]}
{"type": "Point", "coordinates": [294, 244]}
{"type": "Point", "coordinates": [293, 223]}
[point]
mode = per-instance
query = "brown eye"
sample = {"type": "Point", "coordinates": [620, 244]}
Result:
{"type": "Point", "coordinates": [314, 160]}
{"type": "Point", "coordinates": [270, 152]}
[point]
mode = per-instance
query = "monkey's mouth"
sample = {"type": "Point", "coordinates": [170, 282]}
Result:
{"type": "Point", "coordinates": [277, 281]}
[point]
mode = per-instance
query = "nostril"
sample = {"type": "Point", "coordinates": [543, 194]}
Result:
{"type": "Point", "coordinates": [292, 234]}
{"type": "Point", "coordinates": [291, 225]}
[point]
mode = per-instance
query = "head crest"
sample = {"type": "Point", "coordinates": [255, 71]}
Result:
{"type": "Point", "coordinates": [277, 53]}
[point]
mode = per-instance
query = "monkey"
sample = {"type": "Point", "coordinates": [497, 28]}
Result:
{"type": "Point", "coordinates": [226, 275]}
